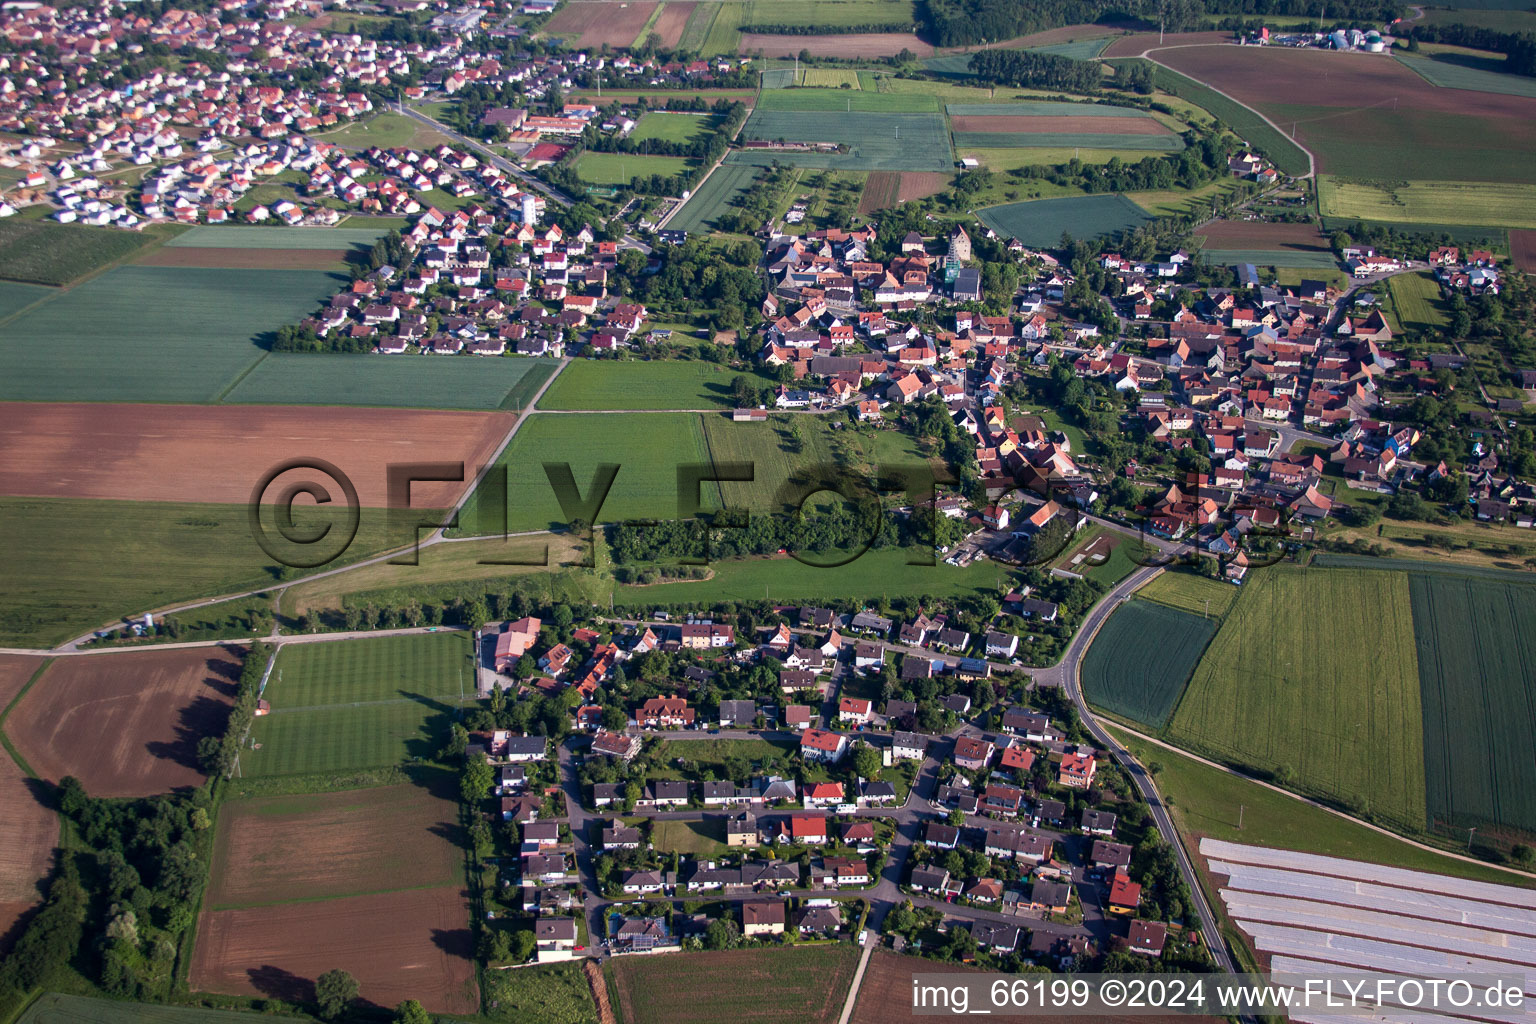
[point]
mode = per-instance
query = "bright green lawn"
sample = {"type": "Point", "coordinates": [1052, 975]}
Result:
{"type": "Point", "coordinates": [658, 384]}
{"type": "Point", "coordinates": [621, 168]}
{"type": "Point", "coordinates": [673, 127]}
{"type": "Point", "coordinates": [1416, 300]}
{"type": "Point", "coordinates": [1188, 592]}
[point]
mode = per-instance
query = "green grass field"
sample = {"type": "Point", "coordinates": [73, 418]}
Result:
{"type": "Point", "coordinates": [1509, 205]}
{"type": "Point", "coordinates": [1476, 644]}
{"type": "Point", "coordinates": [14, 296]}
{"type": "Point", "coordinates": [1453, 71]}
{"type": "Point", "coordinates": [1188, 592]}
{"type": "Point", "coordinates": [724, 34]}
{"type": "Point", "coordinates": [1407, 143]}
{"type": "Point", "coordinates": [1142, 144]}
{"type": "Point", "coordinates": [697, 28]}
{"type": "Point", "coordinates": [1141, 658]}
{"type": "Point", "coordinates": [1042, 108]}
{"type": "Point", "coordinates": [621, 168]}
{"type": "Point", "coordinates": [220, 237]}
{"type": "Point", "coordinates": [46, 252]}
{"type": "Point", "coordinates": [551, 994]}
{"type": "Point", "coordinates": [669, 127]}
{"type": "Point", "coordinates": [830, 14]}
{"type": "Point", "coordinates": [56, 1008]}
{"type": "Point", "coordinates": [1417, 303]}
{"type": "Point", "coordinates": [719, 751]}
{"type": "Point", "coordinates": [152, 334]}
{"type": "Point", "coordinates": [658, 384]}
{"type": "Point", "coordinates": [704, 838]}
{"type": "Point", "coordinates": [1205, 801]}
{"type": "Point", "coordinates": [875, 141]}
{"type": "Point", "coordinates": [1041, 223]}
{"type": "Point", "coordinates": [1313, 677]}
{"type": "Point", "coordinates": [806, 985]}
{"type": "Point", "coordinates": [365, 703]}
{"type": "Point", "coordinates": [430, 382]}
{"type": "Point", "coordinates": [1176, 202]}
{"type": "Point", "coordinates": [848, 101]}
{"type": "Point", "coordinates": [1015, 157]}
{"type": "Point", "coordinates": [72, 565]}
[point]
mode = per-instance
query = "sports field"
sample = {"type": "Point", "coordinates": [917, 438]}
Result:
{"type": "Point", "coordinates": [622, 168]}
{"type": "Point", "coordinates": [1042, 223]}
{"type": "Point", "coordinates": [1505, 204]}
{"type": "Point", "coordinates": [874, 141]}
{"type": "Point", "coordinates": [46, 252]}
{"type": "Point", "coordinates": [427, 382]}
{"type": "Point", "coordinates": [1313, 677]}
{"type": "Point", "coordinates": [1138, 663]}
{"type": "Point", "coordinates": [806, 985]}
{"type": "Point", "coordinates": [1449, 71]}
{"type": "Point", "coordinates": [365, 703]}
{"type": "Point", "coordinates": [152, 334]}
{"type": "Point", "coordinates": [671, 127]}
{"type": "Point", "coordinates": [1417, 303]}
{"type": "Point", "coordinates": [73, 565]}
{"type": "Point", "coordinates": [714, 196]}
{"type": "Point", "coordinates": [1476, 641]}
{"type": "Point", "coordinates": [657, 384]}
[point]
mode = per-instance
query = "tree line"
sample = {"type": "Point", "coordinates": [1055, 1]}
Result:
{"type": "Point", "coordinates": [1519, 48]}
{"type": "Point", "coordinates": [1030, 69]}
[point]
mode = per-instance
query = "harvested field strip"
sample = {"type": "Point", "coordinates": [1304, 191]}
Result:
{"type": "Point", "coordinates": [882, 190]}
{"type": "Point", "coordinates": [1067, 125]}
{"type": "Point", "coordinates": [716, 195]}
{"type": "Point", "coordinates": [1477, 661]}
{"type": "Point", "coordinates": [1449, 74]}
{"type": "Point", "coordinates": [595, 23]}
{"type": "Point", "coordinates": [126, 725]}
{"type": "Point", "coordinates": [1327, 700]}
{"type": "Point", "coordinates": [1142, 657]}
{"type": "Point", "coordinates": [56, 1008]}
{"type": "Point", "coordinates": [1238, 234]}
{"type": "Point", "coordinates": [292, 849]}
{"type": "Point", "coordinates": [404, 945]}
{"type": "Point", "coordinates": [1270, 258]}
{"type": "Point", "coordinates": [29, 830]}
{"type": "Point", "coordinates": [806, 984]}
{"type": "Point", "coordinates": [921, 184]}
{"type": "Point", "coordinates": [1045, 108]}
{"type": "Point", "coordinates": [1152, 143]}
{"type": "Point", "coordinates": [1435, 202]}
{"type": "Point", "coordinates": [670, 23]}
{"type": "Point", "coordinates": [246, 259]}
{"type": "Point", "coordinates": [216, 236]}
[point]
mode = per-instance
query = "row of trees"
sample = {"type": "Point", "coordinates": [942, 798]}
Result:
{"type": "Point", "coordinates": [1518, 47]}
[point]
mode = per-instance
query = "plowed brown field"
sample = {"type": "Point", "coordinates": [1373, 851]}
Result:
{"type": "Point", "coordinates": [28, 829]}
{"type": "Point", "coordinates": [286, 848]}
{"type": "Point", "coordinates": [673, 17]}
{"type": "Point", "coordinates": [1096, 125]}
{"type": "Point", "coordinates": [1139, 42]}
{"type": "Point", "coordinates": [1522, 249]}
{"type": "Point", "coordinates": [594, 23]}
{"type": "Point", "coordinates": [219, 453]}
{"type": "Point", "coordinates": [921, 184]}
{"type": "Point", "coordinates": [399, 945]}
{"type": "Point", "coordinates": [1237, 234]}
{"type": "Point", "coordinates": [126, 724]}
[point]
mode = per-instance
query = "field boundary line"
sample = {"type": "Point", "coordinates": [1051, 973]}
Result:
{"type": "Point", "coordinates": [858, 981]}
{"type": "Point", "coordinates": [56, 290]}
{"type": "Point", "coordinates": [5, 740]}
{"type": "Point", "coordinates": [218, 399]}
{"type": "Point", "coordinates": [1321, 806]}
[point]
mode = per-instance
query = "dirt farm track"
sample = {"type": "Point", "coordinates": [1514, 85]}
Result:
{"type": "Point", "coordinates": [398, 945]}
{"type": "Point", "coordinates": [127, 724]}
{"type": "Point", "coordinates": [28, 829]}
{"type": "Point", "coordinates": [219, 453]}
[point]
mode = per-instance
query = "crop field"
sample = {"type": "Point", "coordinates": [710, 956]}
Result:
{"type": "Point", "coordinates": [216, 236]}
{"type": "Point", "coordinates": [829, 78]}
{"type": "Point", "coordinates": [671, 127]}
{"type": "Point", "coordinates": [700, 17]}
{"type": "Point", "coordinates": [647, 448]}
{"type": "Point", "coordinates": [847, 101]}
{"type": "Point", "coordinates": [151, 334]}
{"type": "Point", "coordinates": [551, 994]}
{"type": "Point", "coordinates": [1304, 682]}
{"type": "Point", "coordinates": [882, 190]}
{"type": "Point", "coordinates": [294, 849]}
{"type": "Point", "coordinates": [46, 252]}
{"type": "Point", "coordinates": [1476, 642]}
{"type": "Point", "coordinates": [1077, 49]}
{"type": "Point", "coordinates": [1451, 71]}
{"type": "Point", "coordinates": [778, 78]}
{"type": "Point", "coordinates": [1042, 223]}
{"type": "Point", "coordinates": [73, 565]}
{"type": "Point", "coordinates": [219, 453]}
{"type": "Point", "coordinates": [805, 984]}
{"type": "Point", "coordinates": [126, 724]}
{"type": "Point", "coordinates": [15, 297]}
{"type": "Point", "coordinates": [921, 184]}
{"type": "Point", "coordinates": [425, 382]}
{"type": "Point", "coordinates": [1416, 300]}
{"type": "Point", "coordinates": [670, 22]}
{"type": "Point", "coordinates": [853, 44]}
{"type": "Point", "coordinates": [830, 13]}
{"type": "Point", "coordinates": [1365, 117]}
{"type": "Point", "coordinates": [875, 141]}
{"type": "Point", "coordinates": [724, 30]}
{"type": "Point", "coordinates": [621, 168]}
{"type": "Point", "coordinates": [57, 1008]}
{"type": "Point", "coordinates": [365, 703]}
{"type": "Point", "coordinates": [1242, 234]}
{"type": "Point", "coordinates": [398, 945]}
{"type": "Point", "coordinates": [335, 260]}
{"type": "Point", "coordinates": [1432, 202]}
{"type": "Point", "coordinates": [1055, 125]}
{"type": "Point", "coordinates": [1280, 148]}
{"type": "Point", "coordinates": [591, 24]}
{"type": "Point", "coordinates": [28, 829]}
{"type": "Point", "coordinates": [657, 384]}
{"type": "Point", "coordinates": [1010, 159]}
{"type": "Point", "coordinates": [1278, 258]}
{"type": "Point", "coordinates": [714, 196]}
{"type": "Point", "coordinates": [1143, 655]}
{"type": "Point", "coordinates": [1155, 142]}
{"type": "Point", "coordinates": [1522, 250]}
{"type": "Point", "coordinates": [1188, 592]}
